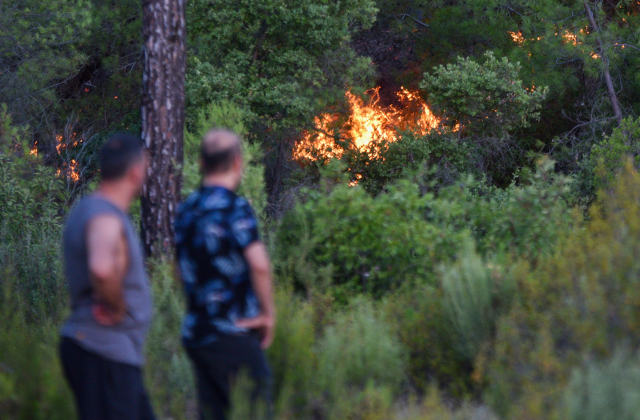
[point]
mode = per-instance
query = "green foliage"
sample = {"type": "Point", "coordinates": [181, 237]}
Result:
{"type": "Point", "coordinates": [443, 151]}
{"type": "Point", "coordinates": [369, 245]}
{"type": "Point", "coordinates": [366, 348]}
{"type": "Point", "coordinates": [607, 157]}
{"type": "Point", "coordinates": [469, 295]}
{"type": "Point", "coordinates": [168, 373]}
{"type": "Point", "coordinates": [485, 103]}
{"type": "Point", "coordinates": [31, 381]}
{"type": "Point", "coordinates": [433, 408]}
{"type": "Point", "coordinates": [485, 99]}
{"type": "Point", "coordinates": [39, 49]}
{"type": "Point", "coordinates": [524, 220]}
{"type": "Point", "coordinates": [246, 52]}
{"type": "Point", "coordinates": [291, 356]}
{"type": "Point", "coordinates": [105, 93]}
{"type": "Point", "coordinates": [606, 391]}
{"type": "Point", "coordinates": [364, 244]}
{"type": "Point", "coordinates": [30, 219]}
{"type": "Point", "coordinates": [417, 314]}
{"type": "Point", "coordinates": [577, 303]}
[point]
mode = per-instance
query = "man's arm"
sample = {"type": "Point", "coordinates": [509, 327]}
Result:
{"type": "Point", "coordinates": [260, 271]}
{"type": "Point", "coordinates": [107, 257]}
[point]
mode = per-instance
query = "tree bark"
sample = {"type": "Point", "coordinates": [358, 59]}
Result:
{"type": "Point", "coordinates": [164, 34]}
{"type": "Point", "coordinates": [607, 75]}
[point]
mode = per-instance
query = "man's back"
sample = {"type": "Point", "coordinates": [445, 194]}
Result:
{"type": "Point", "coordinates": [124, 341]}
{"type": "Point", "coordinates": [213, 228]}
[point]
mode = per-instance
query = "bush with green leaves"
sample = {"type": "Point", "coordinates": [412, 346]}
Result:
{"type": "Point", "coordinates": [359, 243]}
{"type": "Point", "coordinates": [524, 220]}
{"type": "Point", "coordinates": [335, 364]}
{"type": "Point", "coordinates": [49, 34]}
{"type": "Point", "coordinates": [168, 372]}
{"type": "Point", "coordinates": [484, 98]}
{"type": "Point", "coordinates": [441, 150]}
{"type": "Point", "coordinates": [366, 347]}
{"type": "Point", "coordinates": [607, 158]}
{"type": "Point", "coordinates": [485, 103]}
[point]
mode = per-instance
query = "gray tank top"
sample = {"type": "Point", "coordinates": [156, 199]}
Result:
{"type": "Point", "coordinates": [123, 343]}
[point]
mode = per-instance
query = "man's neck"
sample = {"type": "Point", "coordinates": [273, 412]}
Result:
{"type": "Point", "coordinates": [116, 194]}
{"type": "Point", "coordinates": [220, 180]}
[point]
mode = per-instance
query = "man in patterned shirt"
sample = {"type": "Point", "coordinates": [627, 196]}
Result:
{"type": "Point", "coordinates": [227, 279]}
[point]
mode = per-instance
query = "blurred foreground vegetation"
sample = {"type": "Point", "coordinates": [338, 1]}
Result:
{"type": "Point", "coordinates": [472, 303]}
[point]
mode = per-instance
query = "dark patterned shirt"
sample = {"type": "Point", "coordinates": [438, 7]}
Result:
{"type": "Point", "coordinates": [213, 227]}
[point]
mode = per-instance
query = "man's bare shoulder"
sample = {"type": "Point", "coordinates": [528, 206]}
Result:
{"type": "Point", "coordinates": [106, 227]}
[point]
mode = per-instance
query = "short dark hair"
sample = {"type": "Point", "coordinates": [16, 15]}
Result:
{"type": "Point", "coordinates": [119, 152]}
{"type": "Point", "coordinates": [217, 158]}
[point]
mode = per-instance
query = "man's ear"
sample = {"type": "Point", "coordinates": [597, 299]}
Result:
{"type": "Point", "coordinates": [138, 172]}
{"type": "Point", "coordinates": [238, 162]}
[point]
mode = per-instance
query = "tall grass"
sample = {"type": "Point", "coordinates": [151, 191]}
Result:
{"type": "Point", "coordinates": [607, 390]}
{"type": "Point", "coordinates": [31, 381]}
{"type": "Point", "coordinates": [168, 372]}
{"type": "Point", "coordinates": [468, 293]}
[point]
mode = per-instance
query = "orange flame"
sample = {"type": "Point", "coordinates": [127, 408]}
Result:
{"type": "Point", "coordinates": [59, 143]}
{"type": "Point", "coordinates": [368, 125]}
{"type": "Point", "coordinates": [71, 170]}
{"type": "Point", "coordinates": [569, 37]}
{"type": "Point", "coordinates": [517, 37]}
{"type": "Point", "coordinates": [34, 149]}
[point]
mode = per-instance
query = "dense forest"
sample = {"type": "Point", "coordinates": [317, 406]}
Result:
{"type": "Point", "coordinates": [448, 190]}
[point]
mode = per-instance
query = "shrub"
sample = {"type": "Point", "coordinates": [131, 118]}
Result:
{"type": "Point", "coordinates": [366, 348]}
{"type": "Point", "coordinates": [441, 150]}
{"type": "Point", "coordinates": [486, 103]}
{"type": "Point", "coordinates": [469, 295]}
{"type": "Point", "coordinates": [576, 303]}
{"type": "Point", "coordinates": [607, 390]}
{"type": "Point", "coordinates": [367, 244]}
{"type": "Point", "coordinates": [524, 220]}
{"type": "Point", "coordinates": [343, 237]}
{"type": "Point", "coordinates": [606, 159]}
{"type": "Point", "coordinates": [417, 315]}
{"type": "Point", "coordinates": [32, 385]}
{"type": "Point", "coordinates": [433, 408]}
{"type": "Point", "coordinates": [360, 364]}
{"type": "Point", "coordinates": [291, 357]}
{"type": "Point", "coordinates": [30, 221]}
{"type": "Point", "coordinates": [483, 98]}
{"type": "Point", "coordinates": [168, 373]}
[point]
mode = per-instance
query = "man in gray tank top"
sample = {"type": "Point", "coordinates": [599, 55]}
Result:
{"type": "Point", "coordinates": [103, 339]}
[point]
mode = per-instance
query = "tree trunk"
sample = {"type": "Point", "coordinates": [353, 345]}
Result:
{"type": "Point", "coordinates": [164, 33]}
{"type": "Point", "coordinates": [607, 76]}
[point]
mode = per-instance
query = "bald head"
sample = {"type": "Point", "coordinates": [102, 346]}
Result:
{"type": "Point", "coordinates": [219, 150]}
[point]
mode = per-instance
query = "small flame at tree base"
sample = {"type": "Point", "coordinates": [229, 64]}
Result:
{"type": "Point", "coordinates": [368, 126]}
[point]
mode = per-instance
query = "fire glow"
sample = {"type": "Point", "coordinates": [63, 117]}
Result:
{"type": "Point", "coordinates": [367, 127]}
{"type": "Point", "coordinates": [568, 36]}
{"type": "Point", "coordinates": [70, 170]}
